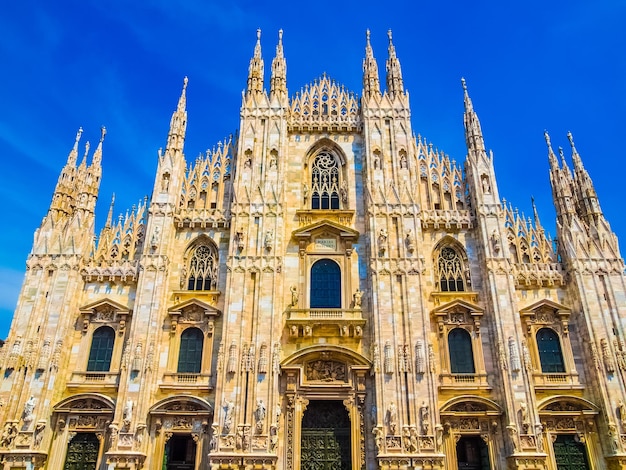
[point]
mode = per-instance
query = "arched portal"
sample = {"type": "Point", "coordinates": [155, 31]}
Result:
{"type": "Point", "coordinates": [325, 441]}
{"type": "Point", "coordinates": [325, 398]}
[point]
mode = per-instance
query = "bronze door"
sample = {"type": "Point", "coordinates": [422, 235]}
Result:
{"type": "Point", "coordinates": [569, 454]}
{"type": "Point", "coordinates": [472, 453]}
{"type": "Point", "coordinates": [82, 452]}
{"type": "Point", "coordinates": [326, 437]}
{"type": "Point", "coordinates": [180, 453]}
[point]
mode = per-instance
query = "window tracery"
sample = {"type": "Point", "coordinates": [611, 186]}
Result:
{"type": "Point", "coordinates": [450, 270]}
{"type": "Point", "coordinates": [201, 272]}
{"type": "Point", "coordinates": [325, 185]}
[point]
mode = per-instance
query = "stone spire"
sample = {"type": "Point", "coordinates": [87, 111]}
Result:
{"type": "Point", "coordinates": [587, 198]}
{"type": "Point", "coordinates": [109, 221]}
{"type": "Point", "coordinates": [178, 124]}
{"type": "Point", "coordinates": [536, 215]}
{"type": "Point", "coordinates": [278, 85]}
{"type": "Point", "coordinates": [371, 82]}
{"type": "Point", "coordinates": [561, 181]}
{"type": "Point", "coordinates": [255, 71]}
{"type": "Point", "coordinates": [72, 157]}
{"type": "Point", "coordinates": [551, 156]}
{"type": "Point", "coordinates": [97, 156]}
{"type": "Point", "coordinates": [63, 197]}
{"type": "Point", "coordinates": [395, 85]}
{"type": "Point", "coordinates": [473, 133]}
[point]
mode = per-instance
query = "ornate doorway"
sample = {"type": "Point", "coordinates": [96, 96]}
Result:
{"type": "Point", "coordinates": [82, 452]}
{"type": "Point", "coordinates": [326, 436]}
{"type": "Point", "coordinates": [472, 453]}
{"type": "Point", "coordinates": [569, 453]}
{"type": "Point", "coordinates": [180, 453]}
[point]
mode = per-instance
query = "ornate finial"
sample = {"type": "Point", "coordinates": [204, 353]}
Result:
{"type": "Point", "coordinates": [280, 34]}
{"type": "Point", "coordinates": [389, 34]}
{"type": "Point", "coordinates": [185, 81]}
{"type": "Point", "coordinates": [547, 137]}
{"type": "Point", "coordinates": [79, 133]}
{"type": "Point", "coordinates": [103, 132]}
{"type": "Point", "coordinates": [570, 138]}
{"type": "Point", "coordinates": [258, 34]}
{"type": "Point", "coordinates": [367, 34]}
{"type": "Point", "coordinates": [561, 154]}
{"type": "Point", "coordinates": [464, 84]}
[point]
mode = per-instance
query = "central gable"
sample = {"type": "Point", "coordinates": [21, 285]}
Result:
{"type": "Point", "coordinates": [324, 105]}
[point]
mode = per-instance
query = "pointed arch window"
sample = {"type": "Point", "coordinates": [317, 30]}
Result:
{"type": "Point", "coordinates": [325, 182]}
{"type": "Point", "coordinates": [101, 350]}
{"type": "Point", "coordinates": [325, 284]}
{"type": "Point", "coordinates": [461, 354]}
{"type": "Point", "coordinates": [450, 269]}
{"type": "Point", "coordinates": [550, 353]}
{"type": "Point", "coordinates": [190, 352]}
{"type": "Point", "coordinates": [202, 268]}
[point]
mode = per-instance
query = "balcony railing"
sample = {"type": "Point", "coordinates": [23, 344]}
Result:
{"type": "Point", "coordinates": [556, 380]}
{"type": "Point", "coordinates": [325, 314]}
{"type": "Point", "coordinates": [94, 379]}
{"type": "Point", "coordinates": [175, 380]}
{"type": "Point", "coordinates": [457, 381]}
{"type": "Point", "coordinates": [325, 322]}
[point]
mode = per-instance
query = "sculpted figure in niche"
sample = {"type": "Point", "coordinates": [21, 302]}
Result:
{"type": "Point", "coordinates": [486, 185]}
{"type": "Point", "coordinates": [165, 182]}
{"type": "Point", "coordinates": [239, 239]}
{"type": "Point", "coordinates": [403, 161]}
{"type": "Point", "coordinates": [378, 438]}
{"type": "Point", "coordinates": [523, 409]}
{"type": "Point", "coordinates": [128, 412]}
{"type": "Point", "coordinates": [229, 406]}
{"type": "Point", "coordinates": [392, 418]}
{"type": "Point", "coordinates": [376, 161]}
{"type": "Point", "coordinates": [294, 296]}
{"type": "Point", "coordinates": [344, 192]}
{"type": "Point", "coordinates": [269, 239]}
{"type": "Point", "coordinates": [495, 242]}
{"type": "Point", "coordinates": [29, 407]}
{"type": "Point", "coordinates": [260, 414]}
{"type": "Point", "coordinates": [358, 298]}
{"type": "Point", "coordinates": [622, 414]}
{"type": "Point", "coordinates": [424, 417]}
{"type": "Point", "coordinates": [8, 435]}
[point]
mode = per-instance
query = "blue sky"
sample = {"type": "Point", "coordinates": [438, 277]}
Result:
{"type": "Point", "coordinates": [530, 66]}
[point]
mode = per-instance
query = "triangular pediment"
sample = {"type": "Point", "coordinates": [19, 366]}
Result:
{"type": "Point", "coordinates": [546, 304]}
{"type": "Point", "coordinates": [104, 304]}
{"type": "Point", "coordinates": [459, 305]}
{"type": "Point", "coordinates": [195, 304]}
{"type": "Point", "coordinates": [326, 226]}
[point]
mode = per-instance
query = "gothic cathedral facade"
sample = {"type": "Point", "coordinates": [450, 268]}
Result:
{"type": "Point", "coordinates": [323, 290]}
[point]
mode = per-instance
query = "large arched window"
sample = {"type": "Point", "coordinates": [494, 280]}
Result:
{"type": "Point", "coordinates": [461, 356]}
{"type": "Point", "coordinates": [325, 284]}
{"type": "Point", "coordinates": [101, 350]}
{"type": "Point", "coordinates": [550, 354]}
{"type": "Point", "coordinates": [202, 268]}
{"type": "Point", "coordinates": [450, 270]}
{"type": "Point", "coordinates": [325, 182]}
{"type": "Point", "coordinates": [190, 352]}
